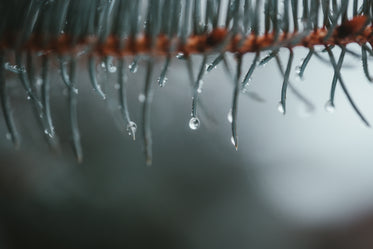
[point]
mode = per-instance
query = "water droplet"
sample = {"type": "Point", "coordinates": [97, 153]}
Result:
{"type": "Point", "coordinates": [180, 56]}
{"type": "Point", "coordinates": [194, 123]}
{"type": "Point", "coordinates": [233, 142]}
{"type": "Point", "coordinates": [162, 82]}
{"type": "Point", "coordinates": [131, 129]}
{"type": "Point", "coordinates": [200, 85]}
{"type": "Point", "coordinates": [210, 67]}
{"type": "Point", "coordinates": [230, 116]}
{"type": "Point", "coordinates": [39, 81]}
{"type": "Point", "coordinates": [280, 108]}
{"type": "Point", "coordinates": [28, 97]}
{"type": "Point", "coordinates": [112, 68]}
{"type": "Point", "coordinates": [245, 89]}
{"type": "Point", "coordinates": [133, 67]}
{"type": "Point", "coordinates": [14, 68]}
{"type": "Point", "coordinates": [8, 136]}
{"type": "Point", "coordinates": [103, 65]}
{"type": "Point", "coordinates": [116, 86]}
{"type": "Point", "coordinates": [141, 98]}
{"type": "Point", "coordinates": [297, 70]}
{"type": "Point", "coordinates": [329, 107]}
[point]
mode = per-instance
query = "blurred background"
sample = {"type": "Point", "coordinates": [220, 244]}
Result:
{"type": "Point", "coordinates": [303, 180]}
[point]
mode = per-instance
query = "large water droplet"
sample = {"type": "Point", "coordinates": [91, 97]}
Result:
{"type": "Point", "coordinates": [162, 81]}
{"type": "Point", "coordinates": [280, 108]}
{"type": "Point", "coordinates": [194, 123]}
{"type": "Point", "coordinates": [329, 107]}
{"type": "Point", "coordinates": [229, 116]}
{"type": "Point", "coordinates": [141, 98]}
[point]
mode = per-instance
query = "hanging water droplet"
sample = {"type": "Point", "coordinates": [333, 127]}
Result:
{"type": "Point", "coordinates": [246, 87]}
{"type": "Point", "coordinates": [233, 142]}
{"type": "Point", "coordinates": [230, 116]}
{"type": "Point", "coordinates": [194, 123]}
{"type": "Point", "coordinates": [297, 69]}
{"type": "Point", "coordinates": [210, 67]}
{"type": "Point", "coordinates": [131, 129]}
{"type": "Point", "coordinates": [200, 85]}
{"type": "Point", "coordinates": [280, 108]}
{"type": "Point", "coordinates": [329, 107]}
{"type": "Point", "coordinates": [133, 67]}
{"type": "Point", "coordinates": [180, 56]}
{"type": "Point", "coordinates": [162, 81]}
{"type": "Point", "coordinates": [8, 136]}
{"type": "Point", "coordinates": [141, 98]}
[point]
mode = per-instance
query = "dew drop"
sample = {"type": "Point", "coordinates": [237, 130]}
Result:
{"type": "Point", "coordinates": [103, 65]}
{"type": "Point", "coordinates": [28, 97]}
{"type": "Point", "coordinates": [210, 67]}
{"type": "Point", "coordinates": [14, 68]}
{"type": "Point", "coordinates": [133, 67]}
{"type": "Point", "coordinates": [280, 108]}
{"type": "Point", "coordinates": [141, 98]}
{"type": "Point", "coordinates": [230, 116]}
{"type": "Point", "coordinates": [200, 85]}
{"type": "Point", "coordinates": [180, 56]}
{"type": "Point", "coordinates": [39, 81]}
{"type": "Point", "coordinates": [329, 107]}
{"type": "Point", "coordinates": [194, 123]}
{"type": "Point", "coordinates": [162, 82]}
{"type": "Point", "coordinates": [245, 89]}
{"type": "Point", "coordinates": [297, 70]}
{"type": "Point", "coordinates": [8, 136]}
{"type": "Point", "coordinates": [233, 142]}
{"type": "Point", "coordinates": [131, 129]}
{"type": "Point", "coordinates": [112, 68]}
